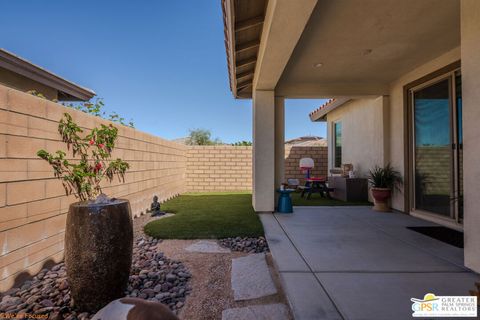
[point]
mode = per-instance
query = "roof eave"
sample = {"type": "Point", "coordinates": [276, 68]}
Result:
{"type": "Point", "coordinates": [320, 114]}
{"type": "Point", "coordinates": [29, 70]}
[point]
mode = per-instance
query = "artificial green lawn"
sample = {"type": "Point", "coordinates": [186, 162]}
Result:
{"type": "Point", "coordinates": [317, 200]}
{"type": "Point", "coordinates": [207, 215]}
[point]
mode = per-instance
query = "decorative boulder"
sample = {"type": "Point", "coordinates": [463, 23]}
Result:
{"type": "Point", "coordinates": [134, 309]}
{"type": "Point", "coordinates": [98, 251]}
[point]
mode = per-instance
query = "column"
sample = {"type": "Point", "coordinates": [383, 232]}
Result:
{"type": "Point", "coordinates": [470, 48]}
{"type": "Point", "coordinates": [279, 142]}
{"type": "Point", "coordinates": [263, 150]}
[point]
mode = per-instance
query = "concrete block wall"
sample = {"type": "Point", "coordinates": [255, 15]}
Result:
{"type": "Point", "coordinates": [219, 168]}
{"type": "Point", "coordinates": [293, 154]}
{"type": "Point", "coordinates": [33, 204]}
{"type": "Point", "coordinates": [229, 168]}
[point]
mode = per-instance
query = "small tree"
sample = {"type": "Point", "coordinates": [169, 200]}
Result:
{"type": "Point", "coordinates": [201, 137]}
{"type": "Point", "coordinates": [242, 143]}
{"type": "Point", "coordinates": [82, 177]}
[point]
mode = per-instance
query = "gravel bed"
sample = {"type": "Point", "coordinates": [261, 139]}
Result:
{"type": "Point", "coordinates": [248, 245]}
{"type": "Point", "coordinates": [153, 277]}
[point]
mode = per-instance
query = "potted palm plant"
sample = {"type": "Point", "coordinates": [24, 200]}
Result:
{"type": "Point", "coordinates": [383, 180]}
{"type": "Point", "coordinates": [99, 233]}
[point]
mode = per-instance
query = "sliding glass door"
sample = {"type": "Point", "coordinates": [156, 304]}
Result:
{"type": "Point", "coordinates": [437, 147]}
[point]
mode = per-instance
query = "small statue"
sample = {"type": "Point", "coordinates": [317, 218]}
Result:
{"type": "Point", "coordinates": [155, 208]}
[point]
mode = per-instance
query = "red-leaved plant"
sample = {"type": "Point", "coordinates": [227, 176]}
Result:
{"type": "Point", "coordinates": [82, 177]}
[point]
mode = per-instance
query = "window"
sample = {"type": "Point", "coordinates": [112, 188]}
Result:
{"type": "Point", "coordinates": [337, 141]}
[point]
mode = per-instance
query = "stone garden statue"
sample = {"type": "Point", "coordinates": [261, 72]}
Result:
{"type": "Point", "coordinates": [155, 208]}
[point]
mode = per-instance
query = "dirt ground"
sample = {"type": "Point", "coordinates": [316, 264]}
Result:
{"type": "Point", "coordinates": [211, 272]}
{"type": "Point", "coordinates": [211, 286]}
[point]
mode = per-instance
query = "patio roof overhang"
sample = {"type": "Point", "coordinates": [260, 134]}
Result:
{"type": "Point", "coordinates": [352, 48]}
{"type": "Point", "coordinates": [67, 90]}
{"type": "Point", "coordinates": [333, 48]}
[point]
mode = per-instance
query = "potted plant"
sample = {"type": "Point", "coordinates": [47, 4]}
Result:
{"type": "Point", "coordinates": [99, 233]}
{"type": "Point", "coordinates": [383, 180]}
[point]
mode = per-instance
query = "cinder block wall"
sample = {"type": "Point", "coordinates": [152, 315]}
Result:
{"type": "Point", "coordinates": [293, 154]}
{"type": "Point", "coordinates": [219, 168]}
{"type": "Point", "coordinates": [33, 206]}
{"type": "Point", "coordinates": [229, 168]}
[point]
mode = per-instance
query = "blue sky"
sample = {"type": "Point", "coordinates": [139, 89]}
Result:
{"type": "Point", "coordinates": [161, 63]}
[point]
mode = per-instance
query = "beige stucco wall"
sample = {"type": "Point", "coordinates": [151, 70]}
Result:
{"type": "Point", "coordinates": [19, 82]}
{"type": "Point", "coordinates": [32, 202]}
{"type": "Point", "coordinates": [373, 128]}
{"type": "Point", "coordinates": [397, 109]}
{"type": "Point", "coordinates": [470, 26]}
{"type": "Point", "coordinates": [362, 133]}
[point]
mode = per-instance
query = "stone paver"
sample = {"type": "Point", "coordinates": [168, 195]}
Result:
{"type": "Point", "coordinates": [251, 277]}
{"type": "Point", "coordinates": [207, 246]}
{"type": "Point", "coordinates": [275, 311]}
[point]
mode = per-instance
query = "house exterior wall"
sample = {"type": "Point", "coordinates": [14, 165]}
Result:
{"type": "Point", "coordinates": [19, 82]}
{"type": "Point", "coordinates": [33, 204]}
{"type": "Point", "coordinates": [362, 133]}
{"type": "Point", "coordinates": [470, 32]}
{"type": "Point", "coordinates": [373, 129]}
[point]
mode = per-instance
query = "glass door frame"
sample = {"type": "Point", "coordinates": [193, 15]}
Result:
{"type": "Point", "coordinates": [454, 219]}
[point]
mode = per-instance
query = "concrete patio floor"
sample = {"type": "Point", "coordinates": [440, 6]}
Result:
{"type": "Point", "coordinates": [355, 263]}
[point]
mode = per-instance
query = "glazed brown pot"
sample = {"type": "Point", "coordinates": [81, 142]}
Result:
{"type": "Point", "coordinates": [98, 252]}
{"type": "Point", "coordinates": [381, 197]}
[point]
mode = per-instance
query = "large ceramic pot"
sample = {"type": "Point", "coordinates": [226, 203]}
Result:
{"type": "Point", "coordinates": [381, 197]}
{"type": "Point", "coordinates": [98, 252]}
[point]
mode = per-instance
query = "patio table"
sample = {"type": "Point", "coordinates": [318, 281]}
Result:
{"type": "Point", "coordinates": [318, 184]}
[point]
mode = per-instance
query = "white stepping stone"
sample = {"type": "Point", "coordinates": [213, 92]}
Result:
{"type": "Point", "coordinates": [207, 246]}
{"type": "Point", "coordinates": [251, 277]}
{"type": "Point", "coordinates": [275, 311]}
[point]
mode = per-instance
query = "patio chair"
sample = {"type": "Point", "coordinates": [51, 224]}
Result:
{"type": "Point", "coordinates": [294, 183]}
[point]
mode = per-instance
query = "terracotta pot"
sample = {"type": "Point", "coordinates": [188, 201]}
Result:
{"type": "Point", "coordinates": [98, 252]}
{"type": "Point", "coordinates": [381, 197]}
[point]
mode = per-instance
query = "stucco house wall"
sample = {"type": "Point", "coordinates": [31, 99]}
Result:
{"type": "Point", "coordinates": [362, 133]}
{"type": "Point", "coordinates": [19, 82]}
{"type": "Point", "coordinates": [373, 129]}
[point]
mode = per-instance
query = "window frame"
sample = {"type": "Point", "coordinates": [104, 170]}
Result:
{"type": "Point", "coordinates": [334, 145]}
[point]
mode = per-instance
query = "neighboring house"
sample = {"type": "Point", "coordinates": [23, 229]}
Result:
{"type": "Point", "coordinates": [20, 74]}
{"type": "Point", "coordinates": [307, 141]}
{"type": "Point", "coordinates": [405, 76]}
